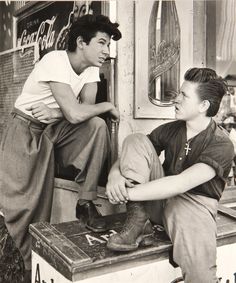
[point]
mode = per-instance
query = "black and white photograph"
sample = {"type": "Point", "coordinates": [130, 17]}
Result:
{"type": "Point", "coordinates": [118, 141]}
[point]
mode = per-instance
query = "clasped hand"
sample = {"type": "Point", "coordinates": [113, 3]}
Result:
{"type": "Point", "coordinates": [115, 115]}
{"type": "Point", "coordinates": [43, 113]}
{"type": "Point", "coordinates": [117, 189]}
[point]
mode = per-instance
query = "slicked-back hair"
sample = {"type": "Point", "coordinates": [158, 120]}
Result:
{"type": "Point", "coordinates": [210, 87]}
{"type": "Point", "coordinates": [88, 25]}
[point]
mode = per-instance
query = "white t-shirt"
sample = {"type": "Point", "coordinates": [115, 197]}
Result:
{"type": "Point", "coordinates": [54, 66]}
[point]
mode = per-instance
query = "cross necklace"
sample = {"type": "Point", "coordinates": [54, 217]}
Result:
{"type": "Point", "coordinates": [187, 148]}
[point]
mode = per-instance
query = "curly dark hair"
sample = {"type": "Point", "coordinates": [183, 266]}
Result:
{"type": "Point", "coordinates": [211, 87]}
{"type": "Point", "coordinates": [87, 26]}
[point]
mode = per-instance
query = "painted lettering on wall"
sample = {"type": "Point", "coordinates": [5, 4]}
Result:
{"type": "Point", "coordinates": [45, 25]}
{"type": "Point", "coordinates": [180, 279]}
{"type": "Point", "coordinates": [227, 281]}
{"type": "Point", "coordinates": [38, 276]}
{"type": "Point", "coordinates": [38, 279]}
{"type": "Point", "coordinates": [49, 23]}
{"type": "Point", "coordinates": [45, 35]}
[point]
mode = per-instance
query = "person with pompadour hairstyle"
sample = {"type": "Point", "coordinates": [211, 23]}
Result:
{"type": "Point", "coordinates": [55, 118]}
{"type": "Point", "coordinates": [182, 193]}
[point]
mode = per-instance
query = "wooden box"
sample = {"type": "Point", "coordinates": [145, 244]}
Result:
{"type": "Point", "coordinates": [68, 252]}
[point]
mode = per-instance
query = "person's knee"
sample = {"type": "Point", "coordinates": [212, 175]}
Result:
{"type": "Point", "coordinates": [97, 124]}
{"type": "Point", "coordinates": [134, 143]}
{"type": "Point", "coordinates": [135, 138]}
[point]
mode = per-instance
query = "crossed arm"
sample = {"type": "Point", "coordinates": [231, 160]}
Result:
{"type": "Point", "coordinates": [119, 189]}
{"type": "Point", "coordinates": [70, 108]}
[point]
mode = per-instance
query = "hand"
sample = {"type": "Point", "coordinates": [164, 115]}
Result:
{"type": "Point", "coordinates": [43, 113]}
{"type": "Point", "coordinates": [115, 115]}
{"type": "Point", "coordinates": [116, 188]}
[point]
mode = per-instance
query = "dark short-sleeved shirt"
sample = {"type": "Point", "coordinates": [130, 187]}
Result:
{"type": "Point", "coordinates": [211, 146]}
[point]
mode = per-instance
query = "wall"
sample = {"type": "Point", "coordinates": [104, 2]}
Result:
{"type": "Point", "coordinates": [124, 81]}
{"type": "Point", "coordinates": [6, 25]}
{"type": "Point", "coordinates": [192, 42]}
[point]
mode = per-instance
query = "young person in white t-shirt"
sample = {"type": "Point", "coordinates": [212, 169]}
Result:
{"type": "Point", "coordinates": [55, 118]}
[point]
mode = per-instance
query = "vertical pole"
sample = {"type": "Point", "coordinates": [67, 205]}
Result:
{"type": "Point", "coordinates": [113, 96]}
{"type": "Point", "coordinates": [211, 34]}
{"type": "Point", "coordinates": [199, 33]}
{"type": "Point", "coordinates": [114, 126]}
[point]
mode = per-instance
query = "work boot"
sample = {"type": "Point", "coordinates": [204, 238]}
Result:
{"type": "Point", "coordinates": [136, 229]}
{"type": "Point", "coordinates": [89, 215]}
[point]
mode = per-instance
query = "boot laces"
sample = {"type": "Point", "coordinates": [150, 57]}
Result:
{"type": "Point", "coordinates": [128, 225]}
{"type": "Point", "coordinates": [133, 218]}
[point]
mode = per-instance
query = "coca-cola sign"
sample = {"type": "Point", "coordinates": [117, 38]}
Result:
{"type": "Point", "coordinates": [48, 23]}
{"type": "Point", "coordinates": [44, 35]}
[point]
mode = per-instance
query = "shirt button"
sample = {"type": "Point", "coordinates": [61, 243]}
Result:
{"type": "Point", "coordinates": [180, 158]}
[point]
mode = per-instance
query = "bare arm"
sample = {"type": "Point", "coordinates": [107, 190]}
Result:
{"type": "Point", "coordinates": [88, 96]}
{"type": "Point", "coordinates": [170, 186]}
{"type": "Point", "coordinates": [88, 93]}
{"type": "Point", "coordinates": [75, 112]}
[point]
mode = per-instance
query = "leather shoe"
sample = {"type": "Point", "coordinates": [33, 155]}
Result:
{"type": "Point", "coordinates": [89, 215]}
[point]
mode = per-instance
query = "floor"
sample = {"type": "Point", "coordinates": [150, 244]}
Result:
{"type": "Point", "coordinates": [11, 263]}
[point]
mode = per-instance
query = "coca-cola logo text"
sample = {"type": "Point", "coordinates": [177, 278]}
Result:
{"type": "Point", "coordinates": [45, 35]}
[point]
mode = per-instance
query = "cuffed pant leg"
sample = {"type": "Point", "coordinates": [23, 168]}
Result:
{"type": "Point", "coordinates": [86, 147]}
{"type": "Point", "coordinates": [192, 230]}
{"type": "Point", "coordinates": [140, 163]}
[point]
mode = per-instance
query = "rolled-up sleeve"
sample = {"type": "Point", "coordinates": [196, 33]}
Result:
{"type": "Point", "coordinates": [156, 138]}
{"type": "Point", "coordinates": [219, 155]}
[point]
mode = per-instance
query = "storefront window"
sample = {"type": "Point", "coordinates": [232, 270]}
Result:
{"type": "Point", "coordinates": [226, 59]}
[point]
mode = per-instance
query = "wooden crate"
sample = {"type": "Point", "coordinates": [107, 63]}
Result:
{"type": "Point", "coordinates": [68, 252]}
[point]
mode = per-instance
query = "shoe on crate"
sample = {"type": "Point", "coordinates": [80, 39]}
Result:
{"type": "Point", "coordinates": [137, 230]}
{"type": "Point", "coordinates": [89, 215]}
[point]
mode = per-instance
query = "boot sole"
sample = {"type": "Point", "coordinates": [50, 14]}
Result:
{"type": "Point", "coordinates": [141, 241]}
{"type": "Point", "coordinates": [122, 248]}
